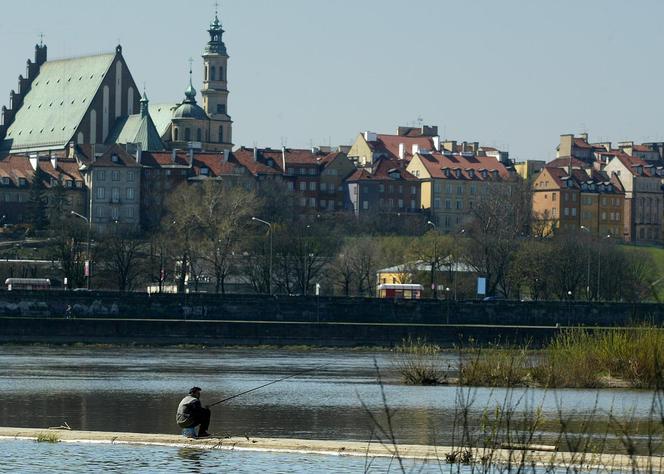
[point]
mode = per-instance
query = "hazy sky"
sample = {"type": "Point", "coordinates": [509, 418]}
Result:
{"type": "Point", "coordinates": [513, 73]}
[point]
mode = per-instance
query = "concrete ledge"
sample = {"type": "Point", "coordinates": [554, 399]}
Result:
{"type": "Point", "coordinates": [525, 455]}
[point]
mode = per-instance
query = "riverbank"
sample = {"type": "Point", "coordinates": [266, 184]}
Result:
{"type": "Point", "coordinates": [526, 455]}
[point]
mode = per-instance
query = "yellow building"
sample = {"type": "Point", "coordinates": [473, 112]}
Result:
{"type": "Point", "coordinates": [451, 184]}
{"type": "Point", "coordinates": [529, 168]}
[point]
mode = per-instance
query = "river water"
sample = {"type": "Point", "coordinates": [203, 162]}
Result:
{"type": "Point", "coordinates": [138, 390]}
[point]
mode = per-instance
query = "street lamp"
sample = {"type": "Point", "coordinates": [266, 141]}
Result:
{"type": "Point", "coordinates": [434, 261]}
{"type": "Point", "coordinates": [87, 262]}
{"type": "Point", "coordinates": [456, 261]}
{"type": "Point", "coordinates": [584, 228]}
{"type": "Point", "coordinates": [269, 226]}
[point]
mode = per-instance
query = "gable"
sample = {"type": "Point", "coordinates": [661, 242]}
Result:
{"type": "Point", "coordinates": [57, 102]}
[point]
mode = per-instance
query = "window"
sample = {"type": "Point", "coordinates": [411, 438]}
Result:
{"type": "Point", "coordinates": [213, 75]}
{"type": "Point", "coordinates": [381, 188]}
{"type": "Point", "coordinates": [115, 213]}
{"type": "Point", "coordinates": [400, 203]}
{"type": "Point", "coordinates": [412, 203]}
{"type": "Point", "coordinates": [131, 176]}
{"type": "Point", "coordinates": [100, 212]}
{"type": "Point", "coordinates": [130, 212]}
{"type": "Point", "coordinates": [436, 203]}
{"type": "Point", "coordinates": [221, 73]}
{"type": "Point", "coordinates": [554, 212]}
{"type": "Point", "coordinates": [390, 189]}
{"type": "Point", "coordinates": [573, 197]}
{"type": "Point", "coordinates": [115, 175]}
{"type": "Point", "coordinates": [115, 194]}
{"type": "Point", "coordinates": [365, 205]}
{"type": "Point", "coordinates": [448, 204]}
{"type": "Point", "coordinates": [187, 134]}
{"type": "Point", "coordinates": [199, 136]}
{"type": "Point", "coordinates": [459, 204]}
{"type": "Point", "coordinates": [460, 189]}
{"type": "Point", "coordinates": [312, 202]}
{"type": "Point", "coordinates": [413, 190]}
{"type": "Point", "coordinates": [100, 175]}
{"type": "Point", "coordinates": [221, 108]}
{"type": "Point", "coordinates": [303, 202]}
{"type": "Point", "coordinates": [473, 189]}
{"type": "Point", "coordinates": [101, 193]}
{"type": "Point", "coordinates": [448, 188]}
{"type": "Point", "coordinates": [130, 194]}
{"type": "Point", "coordinates": [566, 212]}
{"type": "Point", "coordinates": [323, 203]}
{"type": "Point", "coordinates": [323, 186]}
{"type": "Point", "coordinates": [554, 196]}
{"type": "Point", "coordinates": [291, 186]}
{"type": "Point", "coordinates": [303, 185]}
{"type": "Point", "coordinates": [574, 212]}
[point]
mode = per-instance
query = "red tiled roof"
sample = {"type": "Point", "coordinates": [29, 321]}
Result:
{"type": "Point", "coordinates": [216, 165]}
{"type": "Point", "coordinates": [579, 176]}
{"type": "Point", "coordinates": [164, 158]}
{"type": "Point", "coordinates": [15, 167]}
{"type": "Point", "coordinates": [390, 144]}
{"type": "Point", "coordinates": [66, 167]}
{"type": "Point", "coordinates": [436, 163]}
{"type": "Point", "coordinates": [563, 162]}
{"type": "Point", "coordinates": [245, 157]}
{"type": "Point", "coordinates": [382, 170]}
{"type": "Point", "coordinates": [123, 158]}
{"type": "Point", "coordinates": [632, 162]}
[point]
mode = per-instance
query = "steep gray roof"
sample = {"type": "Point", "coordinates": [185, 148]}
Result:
{"type": "Point", "coordinates": [137, 129]}
{"type": "Point", "coordinates": [162, 114]}
{"type": "Point", "coordinates": [57, 102]}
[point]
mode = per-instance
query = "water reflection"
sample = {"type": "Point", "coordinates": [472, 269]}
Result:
{"type": "Point", "coordinates": [137, 390]}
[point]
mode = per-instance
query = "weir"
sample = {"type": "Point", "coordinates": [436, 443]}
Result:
{"type": "Point", "coordinates": [544, 456]}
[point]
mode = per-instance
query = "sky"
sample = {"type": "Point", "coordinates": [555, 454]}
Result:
{"type": "Point", "coordinates": [515, 74]}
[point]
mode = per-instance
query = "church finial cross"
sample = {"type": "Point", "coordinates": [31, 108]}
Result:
{"type": "Point", "coordinates": [41, 39]}
{"type": "Point", "coordinates": [191, 61]}
{"type": "Point", "coordinates": [216, 9]}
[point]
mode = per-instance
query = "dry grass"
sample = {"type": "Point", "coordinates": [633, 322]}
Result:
{"type": "Point", "coordinates": [418, 362]}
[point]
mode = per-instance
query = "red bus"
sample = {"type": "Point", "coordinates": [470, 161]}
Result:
{"type": "Point", "coordinates": [400, 291]}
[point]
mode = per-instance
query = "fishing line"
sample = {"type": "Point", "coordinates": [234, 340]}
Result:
{"type": "Point", "coordinates": [266, 385]}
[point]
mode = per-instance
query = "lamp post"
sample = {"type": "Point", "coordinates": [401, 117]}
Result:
{"type": "Point", "coordinates": [456, 261]}
{"type": "Point", "coordinates": [87, 262]}
{"type": "Point", "coordinates": [599, 263]}
{"type": "Point", "coordinates": [434, 261]}
{"type": "Point", "coordinates": [584, 228]}
{"type": "Point", "coordinates": [269, 227]}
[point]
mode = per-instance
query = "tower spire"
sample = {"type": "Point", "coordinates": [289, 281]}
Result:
{"type": "Point", "coordinates": [190, 93]}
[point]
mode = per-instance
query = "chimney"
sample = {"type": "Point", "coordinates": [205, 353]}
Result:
{"type": "Point", "coordinates": [139, 153]}
{"type": "Point", "coordinates": [315, 150]}
{"type": "Point", "coordinates": [583, 136]}
{"type": "Point", "coordinates": [416, 149]}
{"type": "Point", "coordinates": [190, 156]}
{"type": "Point", "coordinates": [450, 146]}
{"type": "Point", "coordinates": [34, 161]}
{"type": "Point", "coordinates": [255, 154]}
{"type": "Point", "coordinates": [93, 158]}
{"type": "Point", "coordinates": [226, 155]}
{"type": "Point", "coordinates": [54, 161]}
{"type": "Point", "coordinates": [436, 143]}
{"type": "Point", "coordinates": [565, 147]}
{"type": "Point", "coordinates": [402, 151]}
{"type": "Point", "coordinates": [283, 159]}
{"type": "Point", "coordinates": [174, 154]}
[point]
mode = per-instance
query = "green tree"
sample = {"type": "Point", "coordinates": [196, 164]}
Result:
{"type": "Point", "coordinates": [38, 201]}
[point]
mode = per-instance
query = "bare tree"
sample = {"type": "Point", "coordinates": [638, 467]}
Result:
{"type": "Point", "coordinates": [121, 253]}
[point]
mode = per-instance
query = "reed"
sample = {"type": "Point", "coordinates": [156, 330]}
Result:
{"type": "Point", "coordinates": [48, 438]}
{"type": "Point", "coordinates": [418, 363]}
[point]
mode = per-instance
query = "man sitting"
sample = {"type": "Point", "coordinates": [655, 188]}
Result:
{"type": "Point", "coordinates": [192, 414]}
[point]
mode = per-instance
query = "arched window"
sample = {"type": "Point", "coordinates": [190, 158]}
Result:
{"type": "Point", "coordinates": [207, 73]}
{"type": "Point", "coordinates": [221, 134]}
{"type": "Point", "coordinates": [198, 135]}
{"type": "Point", "coordinates": [212, 73]}
{"type": "Point", "coordinates": [221, 73]}
{"type": "Point", "coordinates": [175, 134]}
{"type": "Point", "coordinates": [187, 134]}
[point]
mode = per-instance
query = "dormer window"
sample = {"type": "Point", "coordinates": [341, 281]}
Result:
{"type": "Point", "coordinates": [471, 173]}
{"type": "Point", "coordinates": [609, 188]}
{"type": "Point", "coordinates": [205, 171]}
{"type": "Point", "coordinates": [494, 173]}
{"type": "Point", "coordinates": [5, 180]}
{"type": "Point", "coordinates": [447, 172]}
{"type": "Point", "coordinates": [114, 158]}
{"type": "Point", "coordinates": [22, 182]}
{"type": "Point", "coordinates": [584, 187]}
{"type": "Point", "coordinates": [570, 183]}
{"type": "Point", "coordinates": [485, 174]}
{"type": "Point", "coordinates": [457, 173]}
{"type": "Point", "coordinates": [69, 183]}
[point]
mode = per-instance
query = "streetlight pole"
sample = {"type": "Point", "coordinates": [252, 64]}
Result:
{"type": "Point", "coordinates": [88, 266]}
{"type": "Point", "coordinates": [584, 228]}
{"type": "Point", "coordinates": [456, 262]}
{"type": "Point", "coordinates": [269, 227]}
{"type": "Point", "coordinates": [434, 260]}
{"type": "Point", "coordinates": [599, 263]}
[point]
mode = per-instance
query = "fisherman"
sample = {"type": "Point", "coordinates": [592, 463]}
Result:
{"type": "Point", "coordinates": [192, 414]}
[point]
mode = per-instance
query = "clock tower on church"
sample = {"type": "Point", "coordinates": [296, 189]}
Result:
{"type": "Point", "coordinates": [215, 88]}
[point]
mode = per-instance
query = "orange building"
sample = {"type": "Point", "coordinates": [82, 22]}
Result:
{"type": "Point", "coordinates": [568, 199]}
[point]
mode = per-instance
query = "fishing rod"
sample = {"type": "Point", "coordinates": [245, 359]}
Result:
{"type": "Point", "coordinates": [266, 385]}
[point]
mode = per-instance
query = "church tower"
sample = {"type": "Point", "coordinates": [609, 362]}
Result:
{"type": "Point", "coordinates": [215, 88]}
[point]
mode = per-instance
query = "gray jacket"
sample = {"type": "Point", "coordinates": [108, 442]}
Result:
{"type": "Point", "coordinates": [186, 409]}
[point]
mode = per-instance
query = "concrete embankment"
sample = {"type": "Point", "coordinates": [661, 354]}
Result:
{"type": "Point", "coordinates": [108, 317]}
{"type": "Point", "coordinates": [521, 455]}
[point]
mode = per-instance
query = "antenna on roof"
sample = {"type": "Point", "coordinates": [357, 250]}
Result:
{"type": "Point", "coordinates": [420, 120]}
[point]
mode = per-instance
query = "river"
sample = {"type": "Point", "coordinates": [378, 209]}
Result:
{"type": "Point", "coordinates": [137, 390]}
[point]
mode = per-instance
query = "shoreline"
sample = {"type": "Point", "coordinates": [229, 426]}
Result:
{"type": "Point", "coordinates": [544, 456]}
